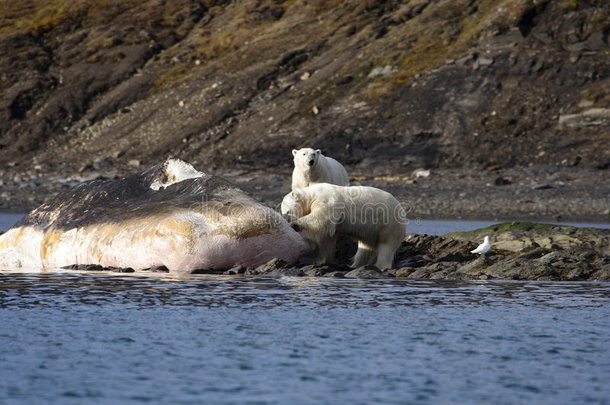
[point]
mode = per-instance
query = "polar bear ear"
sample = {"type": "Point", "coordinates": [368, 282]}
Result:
{"type": "Point", "coordinates": [294, 152]}
{"type": "Point", "coordinates": [318, 151]}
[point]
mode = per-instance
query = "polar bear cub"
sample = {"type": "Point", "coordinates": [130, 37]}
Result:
{"type": "Point", "coordinates": [372, 217]}
{"type": "Point", "coordinates": [311, 167]}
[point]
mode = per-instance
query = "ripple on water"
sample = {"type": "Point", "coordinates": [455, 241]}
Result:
{"type": "Point", "coordinates": [58, 289]}
{"type": "Point", "coordinates": [100, 338]}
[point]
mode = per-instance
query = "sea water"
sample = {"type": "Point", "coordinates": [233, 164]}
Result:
{"type": "Point", "coordinates": [151, 338]}
{"type": "Point", "coordinates": [416, 226]}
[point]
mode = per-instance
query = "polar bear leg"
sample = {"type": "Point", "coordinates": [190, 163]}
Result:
{"type": "Point", "coordinates": [326, 249]}
{"type": "Point", "coordinates": [385, 255]}
{"type": "Point", "coordinates": [364, 256]}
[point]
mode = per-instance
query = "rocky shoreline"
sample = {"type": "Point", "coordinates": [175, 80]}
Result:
{"type": "Point", "coordinates": [521, 251]}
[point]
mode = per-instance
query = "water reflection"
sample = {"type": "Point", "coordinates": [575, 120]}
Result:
{"type": "Point", "coordinates": [67, 289]}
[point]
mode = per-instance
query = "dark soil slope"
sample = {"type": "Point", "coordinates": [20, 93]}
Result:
{"type": "Point", "coordinates": [392, 85]}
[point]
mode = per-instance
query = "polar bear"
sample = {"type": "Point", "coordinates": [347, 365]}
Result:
{"type": "Point", "coordinates": [311, 167]}
{"type": "Point", "coordinates": [372, 217]}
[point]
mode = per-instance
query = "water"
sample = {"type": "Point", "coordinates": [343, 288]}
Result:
{"type": "Point", "coordinates": [416, 226]}
{"type": "Point", "coordinates": [71, 338]}
{"type": "Point", "coordinates": [101, 338]}
{"type": "Point", "coordinates": [441, 227]}
{"type": "Point", "coordinates": [8, 220]}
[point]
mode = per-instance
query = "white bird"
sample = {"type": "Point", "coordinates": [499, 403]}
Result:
{"type": "Point", "coordinates": [483, 247]}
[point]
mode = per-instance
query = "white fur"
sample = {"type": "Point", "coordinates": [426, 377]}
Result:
{"type": "Point", "coordinates": [322, 170]}
{"type": "Point", "coordinates": [373, 217]}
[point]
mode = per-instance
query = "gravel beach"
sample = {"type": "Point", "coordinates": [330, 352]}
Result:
{"type": "Point", "coordinates": [537, 193]}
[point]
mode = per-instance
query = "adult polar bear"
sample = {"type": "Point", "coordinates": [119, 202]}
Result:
{"type": "Point", "coordinates": [373, 217]}
{"type": "Point", "coordinates": [312, 167]}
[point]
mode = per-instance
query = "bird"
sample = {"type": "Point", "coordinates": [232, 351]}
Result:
{"type": "Point", "coordinates": [483, 247]}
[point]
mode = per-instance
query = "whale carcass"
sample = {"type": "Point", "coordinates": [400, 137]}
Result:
{"type": "Point", "coordinates": [169, 215]}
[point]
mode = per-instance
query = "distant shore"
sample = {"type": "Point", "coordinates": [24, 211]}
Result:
{"type": "Point", "coordinates": [563, 194]}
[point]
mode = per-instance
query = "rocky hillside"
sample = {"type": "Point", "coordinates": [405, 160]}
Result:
{"type": "Point", "coordinates": [389, 84]}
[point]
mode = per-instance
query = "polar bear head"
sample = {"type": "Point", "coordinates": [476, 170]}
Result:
{"type": "Point", "coordinates": [306, 157]}
{"type": "Point", "coordinates": [292, 207]}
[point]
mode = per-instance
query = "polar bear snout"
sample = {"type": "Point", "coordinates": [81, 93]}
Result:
{"type": "Point", "coordinates": [290, 208]}
{"type": "Point", "coordinates": [311, 162]}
